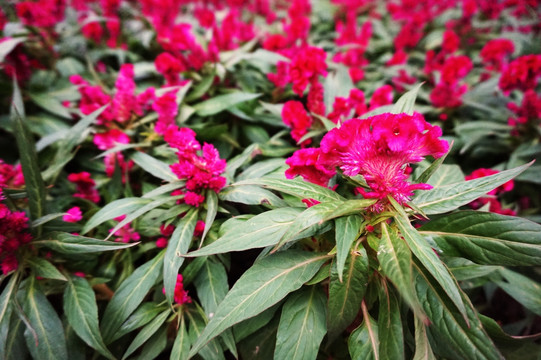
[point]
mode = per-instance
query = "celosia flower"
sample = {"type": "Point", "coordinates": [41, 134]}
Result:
{"type": "Point", "coordinates": [382, 96]}
{"type": "Point", "coordinates": [126, 233]}
{"type": "Point", "coordinates": [73, 215]}
{"type": "Point", "coordinates": [170, 67]}
{"type": "Point", "coordinates": [379, 148]}
{"type": "Point", "coordinates": [86, 186]}
{"type": "Point", "coordinates": [167, 108]}
{"type": "Point", "coordinates": [295, 116]}
{"type": "Point", "coordinates": [521, 73]}
{"type": "Point", "coordinates": [494, 204]}
{"type": "Point", "coordinates": [495, 51]}
{"type": "Point", "coordinates": [13, 234]}
{"type": "Point", "coordinates": [180, 296]}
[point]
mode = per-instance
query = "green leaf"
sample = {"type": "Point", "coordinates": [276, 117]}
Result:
{"type": "Point", "coordinates": [8, 45]}
{"type": "Point", "coordinates": [14, 347]}
{"type": "Point", "coordinates": [296, 187]}
{"type": "Point", "coordinates": [487, 238]}
{"type": "Point", "coordinates": [212, 210]}
{"type": "Point", "coordinates": [179, 243]}
{"type": "Point", "coordinates": [35, 188]}
{"type": "Point", "coordinates": [521, 288]}
{"type": "Point", "coordinates": [140, 317]}
{"type": "Point", "coordinates": [213, 350]}
{"type": "Point", "coordinates": [181, 346]}
{"type": "Point", "coordinates": [155, 345]}
{"type": "Point", "coordinates": [322, 212]}
{"type": "Point", "coordinates": [426, 255]}
{"type": "Point", "coordinates": [423, 350]}
{"type": "Point", "coordinates": [395, 260]}
{"type": "Point", "coordinates": [113, 210]}
{"type": "Point", "coordinates": [262, 230]}
{"type": "Point", "coordinates": [222, 102]}
{"type": "Point", "coordinates": [51, 104]}
{"type": "Point", "coordinates": [67, 243]}
{"type": "Point", "coordinates": [46, 339]}
{"type": "Point", "coordinates": [363, 343]}
{"type": "Point", "coordinates": [5, 297]}
{"type": "Point", "coordinates": [337, 84]}
{"type": "Point", "coordinates": [146, 332]}
{"type": "Point", "coordinates": [153, 166]}
{"type": "Point", "coordinates": [346, 230]}
{"type": "Point", "coordinates": [450, 197]}
{"type": "Point", "coordinates": [260, 168]}
{"type": "Point", "coordinates": [455, 339]}
{"type": "Point", "coordinates": [250, 195]}
{"type": "Point", "coordinates": [406, 103]}
{"type": "Point", "coordinates": [129, 295]}
{"type": "Point", "coordinates": [164, 189]}
{"type": "Point", "coordinates": [202, 87]}
{"type": "Point", "coordinates": [254, 324]}
{"type": "Point", "coordinates": [345, 297]}
{"type": "Point", "coordinates": [302, 325]}
{"type": "Point", "coordinates": [211, 285]}
{"type": "Point", "coordinates": [45, 269]}
{"type": "Point", "coordinates": [391, 336]}
{"type": "Point", "coordinates": [82, 312]}
{"type": "Point", "coordinates": [268, 281]}
{"type": "Point", "coordinates": [443, 175]}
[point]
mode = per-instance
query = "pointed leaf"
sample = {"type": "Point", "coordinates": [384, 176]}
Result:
{"type": "Point", "coordinates": [181, 346]}
{"type": "Point", "coordinates": [212, 210]}
{"type": "Point", "coordinates": [179, 243]}
{"type": "Point", "coordinates": [51, 104]}
{"type": "Point", "coordinates": [406, 103]}
{"type": "Point", "coordinates": [251, 195]}
{"type": "Point", "coordinates": [222, 102]}
{"type": "Point", "coordinates": [213, 350]}
{"type": "Point", "coordinates": [46, 339]}
{"type": "Point", "coordinates": [443, 175]}
{"type": "Point", "coordinates": [153, 166]}
{"type": "Point", "coordinates": [363, 343]}
{"type": "Point", "coordinates": [140, 317]}
{"type": "Point", "coordinates": [426, 255]}
{"type": "Point", "coordinates": [268, 281]}
{"type": "Point", "coordinates": [211, 285]}
{"type": "Point", "coordinates": [347, 230]}
{"type": "Point", "coordinates": [67, 243]}
{"type": "Point", "coordinates": [35, 188]}
{"type": "Point", "coordinates": [82, 312]}
{"type": "Point", "coordinates": [129, 295]}
{"type": "Point", "coordinates": [296, 187]}
{"type": "Point", "coordinates": [423, 350]}
{"type": "Point", "coordinates": [395, 260]}
{"type": "Point", "coordinates": [487, 238]}
{"type": "Point", "coordinates": [146, 332]}
{"type": "Point", "coordinates": [450, 197]}
{"type": "Point", "coordinates": [302, 325]}
{"type": "Point", "coordinates": [345, 297]}
{"type": "Point", "coordinates": [262, 230]}
{"type": "Point", "coordinates": [5, 297]}
{"type": "Point", "coordinates": [45, 269]}
{"type": "Point", "coordinates": [455, 338]}
{"type": "Point", "coordinates": [114, 209]}
{"type": "Point", "coordinates": [390, 333]}
{"type": "Point", "coordinates": [521, 288]}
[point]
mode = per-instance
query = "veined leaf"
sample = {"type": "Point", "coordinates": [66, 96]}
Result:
{"type": "Point", "coordinates": [262, 230]}
{"type": "Point", "coordinates": [391, 335]}
{"type": "Point", "coordinates": [164, 189]}
{"type": "Point", "coordinates": [45, 269]}
{"type": "Point", "coordinates": [295, 187]}
{"type": "Point", "coordinates": [444, 175]}
{"type": "Point", "coordinates": [302, 325]}
{"type": "Point", "coordinates": [181, 346]}
{"type": "Point", "coordinates": [50, 104]}
{"type": "Point", "coordinates": [322, 212]}
{"type": "Point", "coordinates": [347, 230]}
{"type": "Point", "coordinates": [211, 285]}
{"type": "Point", "coordinates": [113, 210]}
{"type": "Point", "coordinates": [268, 281]}
{"type": "Point", "coordinates": [450, 197]}
{"type": "Point", "coordinates": [213, 350]}
{"type": "Point", "coordinates": [178, 244]}
{"type": "Point", "coordinates": [521, 288]}
{"type": "Point", "coordinates": [487, 238]}
{"type": "Point", "coordinates": [5, 297]}
{"type": "Point", "coordinates": [154, 166]}
{"type": "Point", "coordinates": [363, 343]}
{"type": "Point", "coordinates": [406, 103]}
{"type": "Point", "coordinates": [82, 312]}
{"type": "Point", "coordinates": [395, 260]}
{"type": "Point", "coordinates": [423, 350]}
{"type": "Point", "coordinates": [212, 210]}
{"type": "Point", "coordinates": [140, 317]}
{"type": "Point", "coordinates": [129, 295]}
{"type": "Point", "coordinates": [456, 339]}
{"type": "Point", "coordinates": [250, 195]}
{"type": "Point", "coordinates": [345, 297]}
{"type": "Point", "coordinates": [67, 243]}
{"type": "Point", "coordinates": [422, 251]}
{"type": "Point", "coordinates": [222, 102]}
{"type": "Point", "coordinates": [46, 339]}
{"type": "Point", "coordinates": [147, 332]}
{"type": "Point", "coordinates": [35, 188]}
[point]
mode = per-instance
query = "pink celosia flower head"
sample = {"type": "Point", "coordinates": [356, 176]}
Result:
{"type": "Point", "coordinates": [379, 148]}
{"type": "Point", "coordinates": [86, 186]}
{"type": "Point", "coordinates": [73, 215]}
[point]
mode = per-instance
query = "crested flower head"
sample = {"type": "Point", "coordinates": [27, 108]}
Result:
{"type": "Point", "coordinates": [379, 148]}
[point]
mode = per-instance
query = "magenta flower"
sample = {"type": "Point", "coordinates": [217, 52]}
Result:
{"type": "Point", "coordinates": [73, 215]}
{"type": "Point", "coordinates": [13, 234]}
{"type": "Point", "coordinates": [379, 148]}
{"type": "Point", "coordinates": [86, 186]}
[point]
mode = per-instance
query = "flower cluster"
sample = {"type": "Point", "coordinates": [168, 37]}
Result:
{"type": "Point", "coordinates": [13, 235]}
{"type": "Point", "coordinates": [378, 148]}
{"type": "Point", "coordinates": [86, 186]}
{"type": "Point", "coordinates": [491, 200]}
{"type": "Point", "coordinates": [201, 167]}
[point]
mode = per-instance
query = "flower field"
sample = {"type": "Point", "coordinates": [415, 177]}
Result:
{"type": "Point", "coordinates": [270, 179]}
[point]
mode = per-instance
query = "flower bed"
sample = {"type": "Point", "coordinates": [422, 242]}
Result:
{"type": "Point", "coordinates": [263, 179]}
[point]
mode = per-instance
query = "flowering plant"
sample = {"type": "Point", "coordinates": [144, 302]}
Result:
{"type": "Point", "coordinates": [262, 179]}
